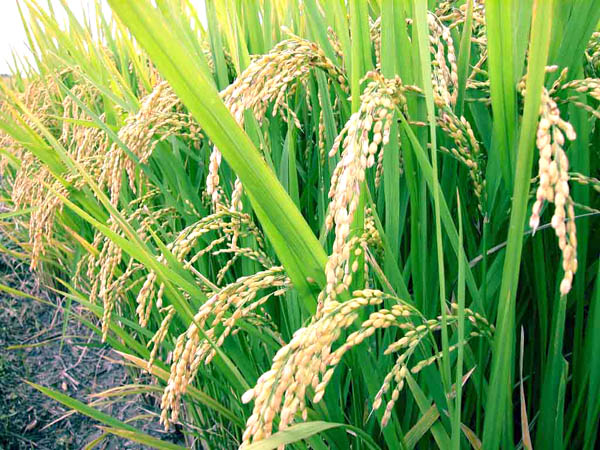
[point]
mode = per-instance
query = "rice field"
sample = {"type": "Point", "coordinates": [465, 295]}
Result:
{"type": "Point", "coordinates": [319, 223]}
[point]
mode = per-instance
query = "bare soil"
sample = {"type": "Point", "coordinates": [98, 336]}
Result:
{"type": "Point", "coordinates": [33, 347]}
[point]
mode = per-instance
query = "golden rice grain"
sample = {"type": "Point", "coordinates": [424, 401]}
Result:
{"type": "Point", "coordinates": [269, 79]}
{"type": "Point", "coordinates": [554, 184]}
{"type": "Point", "coordinates": [213, 323]}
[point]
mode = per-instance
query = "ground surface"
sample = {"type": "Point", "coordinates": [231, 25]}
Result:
{"type": "Point", "coordinates": [79, 367]}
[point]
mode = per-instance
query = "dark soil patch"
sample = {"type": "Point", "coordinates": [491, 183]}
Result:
{"type": "Point", "coordinates": [79, 367]}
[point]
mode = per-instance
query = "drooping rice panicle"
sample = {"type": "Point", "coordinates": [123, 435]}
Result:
{"type": "Point", "coordinates": [304, 367]}
{"type": "Point", "coordinates": [160, 115]}
{"type": "Point", "coordinates": [554, 184]}
{"type": "Point", "coordinates": [268, 80]}
{"type": "Point", "coordinates": [444, 70]}
{"type": "Point", "coordinates": [161, 333]}
{"type": "Point", "coordinates": [97, 144]}
{"type": "Point", "coordinates": [230, 225]}
{"type": "Point", "coordinates": [359, 152]}
{"type": "Point", "coordinates": [307, 361]}
{"type": "Point", "coordinates": [586, 180]}
{"type": "Point", "coordinates": [466, 149]}
{"type": "Point", "coordinates": [105, 283]}
{"type": "Point", "coordinates": [213, 323]}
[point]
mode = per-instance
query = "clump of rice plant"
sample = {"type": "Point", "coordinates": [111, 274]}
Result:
{"type": "Point", "coordinates": [339, 213]}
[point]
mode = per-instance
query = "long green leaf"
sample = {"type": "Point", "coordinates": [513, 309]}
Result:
{"type": "Point", "coordinates": [294, 242]}
{"type": "Point", "coordinates": [303, 431]}
{"type": "Point", "coordinates": [142, 438]}
{"type": "Point", "coordinates": [115, 426]}
{"type": "Point", "coordinates": [499, 405]}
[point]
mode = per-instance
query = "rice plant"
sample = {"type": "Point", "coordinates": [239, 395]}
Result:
{"type": "Point", "coordinates": [322, 223]}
